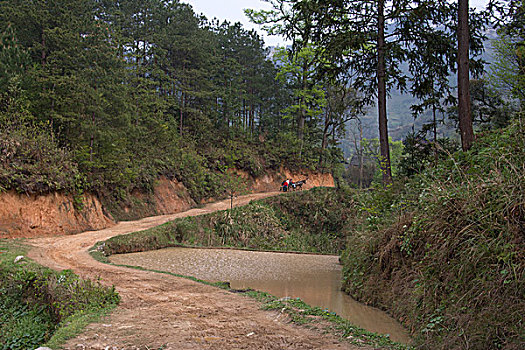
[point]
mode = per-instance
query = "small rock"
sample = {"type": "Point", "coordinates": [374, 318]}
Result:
{"type": "Point", "coordinates": [18, 258]}
{"type": "Point", "coordinates": [43, 348]}
{"type": "Point", "coordinates": [250, 334]}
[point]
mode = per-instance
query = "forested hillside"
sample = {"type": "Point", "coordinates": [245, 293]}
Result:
{"type": "Point", "coordinates": [107, 96]}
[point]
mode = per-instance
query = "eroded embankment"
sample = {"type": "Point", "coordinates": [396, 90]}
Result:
{"type": "Point", "coordinates": [51, 214]}
{"type": "Point", "coordinates": [60, 213]}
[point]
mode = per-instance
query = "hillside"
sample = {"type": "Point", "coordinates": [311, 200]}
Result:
{"type": "Point", "coordinates": [445, 251]}
{"type": "Point", "coordinates": [100, 98]}
{"type": "Point", "coordinates": [442, 252]}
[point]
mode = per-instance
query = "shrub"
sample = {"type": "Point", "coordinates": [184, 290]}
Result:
{"type": "Point", "coordinates": [32, 162]}
{"type": "Point", "coordinates": [35, 301]}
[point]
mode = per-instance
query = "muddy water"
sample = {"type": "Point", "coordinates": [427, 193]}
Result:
{"type": "Point", "coordinates": [313, 278]}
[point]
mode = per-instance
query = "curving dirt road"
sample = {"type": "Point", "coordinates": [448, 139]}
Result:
{"type": "Point", "coordinates": [162, 311]}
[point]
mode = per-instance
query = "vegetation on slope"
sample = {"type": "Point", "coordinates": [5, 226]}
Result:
{"type": "Point", "coordinates": [445, 252]}
{"type": "Point", "coordinates": [291, 222]}
{"type": "Point", "coordinates": [38, 305]}
{"type": "Point", "coordinates": [119, 98]}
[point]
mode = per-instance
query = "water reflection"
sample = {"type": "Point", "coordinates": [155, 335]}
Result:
{"type": "Point", "coordinates": [313, 278]}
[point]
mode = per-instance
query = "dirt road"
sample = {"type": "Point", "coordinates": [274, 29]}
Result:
{"type": "Point", "coordinates": [162, 311]}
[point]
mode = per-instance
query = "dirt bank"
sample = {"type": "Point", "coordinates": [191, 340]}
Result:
{"type": "Point", "coordinates": [271, 181]}
{"type": "Point", "coordinates": [51, 214]}
{"type": "Point", "coordinates": [159, 310]}
{"type": "Point", "coordinates": [58, 214]}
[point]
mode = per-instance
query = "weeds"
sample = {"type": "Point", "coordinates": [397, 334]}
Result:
{"type": "Point", "coordinates": [446, 251]}
{"type": "Point", "coordinates": [36, 302]}
{"type": "Point", "coordinates": [311, 221]}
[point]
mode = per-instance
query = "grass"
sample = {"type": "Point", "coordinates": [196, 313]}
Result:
{"type": "Point", "coordinates": [323, 320]}
{"type": "Point", "coordinates": [40, 306]}
{"type": "Point", "coordinates": [310, 221]}
{"type": "Point", "coordinates": [445, 251]}
{"type": "Point", "coordinates": [76, 324]}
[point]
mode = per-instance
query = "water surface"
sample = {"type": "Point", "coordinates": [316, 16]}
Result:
{"type": "Point", "coordinates": [316, 279]}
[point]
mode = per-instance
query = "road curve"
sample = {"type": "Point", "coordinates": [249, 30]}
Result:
{"type": "Point", "coordinates": [163, 311]}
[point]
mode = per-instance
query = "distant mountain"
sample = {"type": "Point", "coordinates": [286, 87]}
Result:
{"type": "Point", "coordinates": [400, 118]}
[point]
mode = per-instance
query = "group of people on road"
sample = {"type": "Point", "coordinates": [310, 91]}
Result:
{"type": "Point", "coordinates": [286, 184]}
{"type": "Point", "coordinates": [289, 184]}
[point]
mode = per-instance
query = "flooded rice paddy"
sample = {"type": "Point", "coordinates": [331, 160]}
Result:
{"type": "Point", "coordinates": [316, 279]}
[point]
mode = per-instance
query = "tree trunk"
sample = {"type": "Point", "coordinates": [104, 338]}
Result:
{"type": "Point", "coordinates": [182, 98]}
{"type": "Point", "coordinates": [434, 124]}
{"type": "Point", "coordinates": [324, 142]}
{"type": "Point", "coordinates": [361, 153]}
{"type": "Point", "coordinates": [381, 97]}
{"type": "Point", "coordinates": [43, 53]}
{"type": "Point", "coordinates": [465, 117]}
{"type": "Point", "coordinates": [181, 112]}
{"type": "Point", "coordinates": [92, 137]}
{"type": "Point", "coordinates": [302, 113]}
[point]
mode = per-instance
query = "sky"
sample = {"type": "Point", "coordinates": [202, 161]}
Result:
{"type": "Point", "coordinates": [233, 11]}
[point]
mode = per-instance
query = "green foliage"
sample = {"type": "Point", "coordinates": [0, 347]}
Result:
{"type": "Point", "coordinates": [419, 153]}
{"type": "Point", "coordinates": [372, 154]}
{"type": "Point", "coordinates": [491, 108]}
{"type": "Point", "coordinates": [35, 301]}
{"type": "Point", "coordinates": [32, 161]}
{"type": "Point", "coordinates": [507, 72]}
{"type": "Point", "coordinates": [293, 222]}
{"type": "Point", "coordinates": [13, 58]}
{"type": "Point", "coordinates": [443, 251]}
{"type": "Point", "coordinates": [23, 326]}
{"type": "Point", "coordinates": [120, 98]}
{"type": "Point", "coordinates": [297, 71]}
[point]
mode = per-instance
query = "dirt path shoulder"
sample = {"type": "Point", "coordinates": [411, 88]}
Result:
{"type": "Point", "coordinates": [163, 311]}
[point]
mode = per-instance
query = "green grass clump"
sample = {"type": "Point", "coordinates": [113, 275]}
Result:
{"type": "Point", "coordinates": [309, 221]}
{"type": "Point", "coordinates": [315, 317]}
{"type": "Point", "coordinates": [39, 305]}
{"type": "Point", "coordinates": [446, 251]}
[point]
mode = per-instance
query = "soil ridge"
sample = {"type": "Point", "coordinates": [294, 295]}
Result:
{"type": "Point", "coordinates": [58, 213]}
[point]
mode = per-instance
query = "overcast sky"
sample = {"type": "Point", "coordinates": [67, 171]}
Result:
{"type": "Point", "coordinates": [232, 10]}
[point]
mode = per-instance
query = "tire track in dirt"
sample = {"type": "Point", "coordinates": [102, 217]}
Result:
{"type": "Point", "coordinates": [159, 310]}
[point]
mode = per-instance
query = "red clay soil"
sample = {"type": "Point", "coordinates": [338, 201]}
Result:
{"type": "Point", "coordinates": [163, 311]}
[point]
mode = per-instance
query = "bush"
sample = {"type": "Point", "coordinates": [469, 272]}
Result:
{"type": "Point", "coordinates": [32, 162]}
